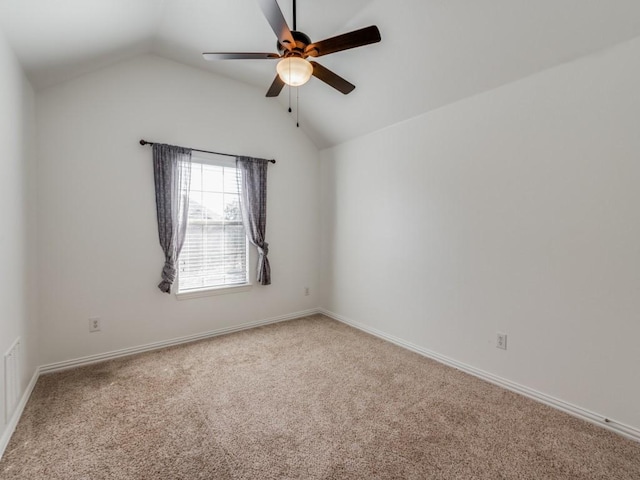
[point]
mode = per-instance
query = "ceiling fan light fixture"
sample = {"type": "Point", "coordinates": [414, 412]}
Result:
{"type": "Point", "coordinates": [294, 71]}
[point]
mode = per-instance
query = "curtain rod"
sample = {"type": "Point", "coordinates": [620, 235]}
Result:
{"type": "Point", "coordinates": [144, 142]}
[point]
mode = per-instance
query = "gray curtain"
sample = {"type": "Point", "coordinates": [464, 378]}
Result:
{"type": "Point", "coordinates": [172, 174]}
{"type": "Point", "coordinates": [252, 186]}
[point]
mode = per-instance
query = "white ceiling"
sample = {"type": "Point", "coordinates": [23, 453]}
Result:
{"type": "Point", "coordinates": [433, 52]}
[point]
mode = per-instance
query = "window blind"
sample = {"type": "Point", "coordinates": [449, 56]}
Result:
{"type": "Point", "coordinates": [214, 253]}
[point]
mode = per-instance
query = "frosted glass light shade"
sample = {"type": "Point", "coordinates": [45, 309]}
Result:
{"type": "Point", "coordinates": [294, 71]}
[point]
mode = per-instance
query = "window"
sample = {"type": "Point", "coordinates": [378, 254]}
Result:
{"type": "Point", "coordinates": [214, 254]}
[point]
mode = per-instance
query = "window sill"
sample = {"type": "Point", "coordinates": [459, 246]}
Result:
{"type": "Point", "coordinates": [206, 292]}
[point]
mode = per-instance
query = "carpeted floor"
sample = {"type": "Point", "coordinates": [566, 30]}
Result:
{"type": "Point", "coordinates": [308, 399]}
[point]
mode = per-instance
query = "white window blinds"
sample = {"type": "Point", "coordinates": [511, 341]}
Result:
{"type": "Point", "coordinates": [214, 253]}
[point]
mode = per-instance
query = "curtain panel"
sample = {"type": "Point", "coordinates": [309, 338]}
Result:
{"type": "Point", "coordinates": [252, 189]}
{"type": "Point", "coordinates": [172, 176]}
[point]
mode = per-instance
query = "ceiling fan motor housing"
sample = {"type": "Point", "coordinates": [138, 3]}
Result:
{"type": "Point", "coordinates": [302, 40]}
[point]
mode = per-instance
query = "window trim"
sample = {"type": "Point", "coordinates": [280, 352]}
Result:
{"type": "Point", "coordinates": [213, 291]}
{"type": "Point", "coordinates": [215, 160]}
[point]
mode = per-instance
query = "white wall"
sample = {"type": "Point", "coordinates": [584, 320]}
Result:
{"type": "Point", "coordinates": [18, 288]}
{"type": "Point", "coordinates": [515, 211]}
{"type": "Point", "coordinates": [98, 242]}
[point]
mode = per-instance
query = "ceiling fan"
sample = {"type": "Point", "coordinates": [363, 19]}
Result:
{"type": "Point", "coordinates": [295, 47]}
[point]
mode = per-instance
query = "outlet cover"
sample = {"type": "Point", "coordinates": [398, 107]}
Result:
{"type": "Point", "coordinates": [94, 324]}
{"type": "Point", "coordinates": [501, 341]}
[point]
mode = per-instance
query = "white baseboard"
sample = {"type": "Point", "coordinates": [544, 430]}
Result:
{"type": "Point", "coordinates": [124, 352]}
{"type": "Point", "coordinates": [601, 420]}
{"type": "Point", "coordinates": [15, 418]}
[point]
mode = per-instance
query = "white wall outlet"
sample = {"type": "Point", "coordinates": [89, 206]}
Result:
{"type": "Point", "coordinates": [94, 324]}
{"type": "Point", "coordinates": [307, 291]}
{"type": "Point", "coordinates": [501, 340]}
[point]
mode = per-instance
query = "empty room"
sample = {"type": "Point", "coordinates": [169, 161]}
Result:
{"type": "Point", "coordinates": [305, 239]}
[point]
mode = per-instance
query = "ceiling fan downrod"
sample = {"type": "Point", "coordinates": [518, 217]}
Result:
{"type": "Point", "coordinates": [294, 15]}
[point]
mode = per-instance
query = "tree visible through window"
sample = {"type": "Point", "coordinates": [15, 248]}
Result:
{"type": "Point", "coordinates": [215, 248]}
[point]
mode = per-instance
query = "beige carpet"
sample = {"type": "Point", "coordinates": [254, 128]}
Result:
{"type": "Point", "coordinates": [308, 399]}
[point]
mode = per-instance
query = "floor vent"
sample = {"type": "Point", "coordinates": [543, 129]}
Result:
{"type": "Point", "coordinates": [11, 380]}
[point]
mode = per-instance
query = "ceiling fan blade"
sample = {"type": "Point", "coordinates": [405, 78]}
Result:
{"type": "Point", "coordinates": [331, 79]}
{"type": "Point", "coordinates": [276, 87]}
{"type": "Point", "coordinates": [279, 25]}
{"type": "Point", "coordinates": [357, 38]}
{"type": "Point", "coordinates": [238, 56]}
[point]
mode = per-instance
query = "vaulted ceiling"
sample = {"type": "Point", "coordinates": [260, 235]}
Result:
{"type": "Point", "coordinates": [433, 52]}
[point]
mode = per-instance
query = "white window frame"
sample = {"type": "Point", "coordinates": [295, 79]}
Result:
{"type": "Point", "coordinates": [223, 161]}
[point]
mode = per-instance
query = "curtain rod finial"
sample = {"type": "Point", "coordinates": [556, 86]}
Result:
{"type": "Point", "coordinates": [143, 142]}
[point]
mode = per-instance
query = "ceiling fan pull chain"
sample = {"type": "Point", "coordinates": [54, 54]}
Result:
{"type": "Point", "coordinates": [289, 89]}
{"type": "Point", "coordinates": [297, 107]}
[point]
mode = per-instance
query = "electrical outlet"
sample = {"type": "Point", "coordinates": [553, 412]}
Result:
{"type": "Point", "coordinates": [94, 324]}
{"type": "Point", "coordinates": [501, 341]}
{"type": "Point", "coordinates": [306, 291]}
